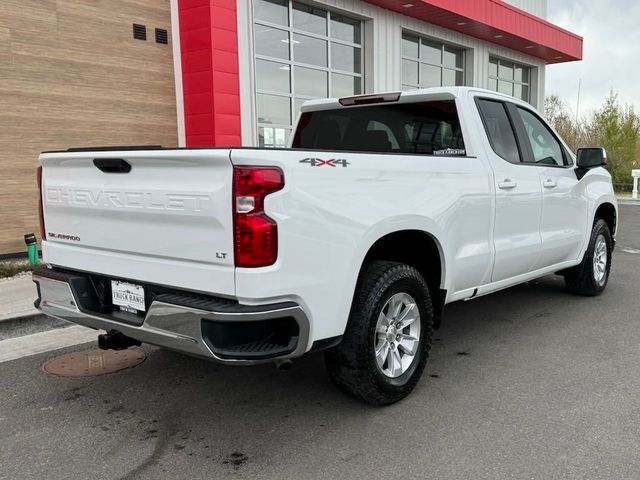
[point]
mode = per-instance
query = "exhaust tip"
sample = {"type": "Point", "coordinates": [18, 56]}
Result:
{"type": "Point", "coordinates": [284, 365]}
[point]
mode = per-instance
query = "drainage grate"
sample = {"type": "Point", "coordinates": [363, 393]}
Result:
{"type": "Point", "coordinates": [89, 363]}
{"type": "Point", "coordinates": [139, 31]}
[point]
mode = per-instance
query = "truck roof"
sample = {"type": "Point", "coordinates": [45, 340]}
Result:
{"type": "Point", "coordinates": [406, 96]}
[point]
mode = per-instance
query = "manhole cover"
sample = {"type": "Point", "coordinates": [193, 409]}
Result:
{"type": "Point", "coordinates": [94, 362]}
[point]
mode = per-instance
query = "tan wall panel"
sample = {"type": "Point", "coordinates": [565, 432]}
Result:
{"type": "Point", "coordinates": [72, 75]}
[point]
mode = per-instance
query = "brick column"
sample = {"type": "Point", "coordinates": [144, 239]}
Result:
{"type": "Point", "coordinates": [210, 79]}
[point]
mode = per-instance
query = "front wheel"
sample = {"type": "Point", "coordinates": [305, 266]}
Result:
{"type": "Point", "coordinates": [591, 276]}
{"type": "Point", "coordinates": [386, 344]}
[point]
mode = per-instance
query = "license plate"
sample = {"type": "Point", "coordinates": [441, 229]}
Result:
{"type": "Point", "coordinates": [128, 296]}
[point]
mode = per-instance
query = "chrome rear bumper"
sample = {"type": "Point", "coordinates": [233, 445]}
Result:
{"type": "Point", "coordinates": [173, 326]}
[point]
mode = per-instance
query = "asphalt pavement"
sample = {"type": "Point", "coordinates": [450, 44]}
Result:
{"type": "Point", "coordinates": [528, 383]}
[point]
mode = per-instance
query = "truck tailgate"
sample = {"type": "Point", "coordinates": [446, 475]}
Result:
{"type": "Point", "coordinates": [167, 220]}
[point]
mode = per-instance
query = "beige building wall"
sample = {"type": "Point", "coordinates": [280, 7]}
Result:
{"type": "Point", "coordinates": [71, 74]}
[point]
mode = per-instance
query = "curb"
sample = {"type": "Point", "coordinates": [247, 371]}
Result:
{"type": "Point", "coordinates": [22, 317]}
{"type": "Point", "coordinates": [42, 342]}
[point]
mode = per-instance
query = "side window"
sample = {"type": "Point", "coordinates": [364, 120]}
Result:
{"type": "Point", "coordinates": [499, 130]}
{"type": "Point", "coordinates": [545, 147]}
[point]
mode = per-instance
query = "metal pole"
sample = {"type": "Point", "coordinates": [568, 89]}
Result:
{"type": "Point", "coordinates": [578, 102]}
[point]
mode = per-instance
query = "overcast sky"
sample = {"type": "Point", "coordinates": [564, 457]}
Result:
{"type": "Point", "coordinates": [611, 52]}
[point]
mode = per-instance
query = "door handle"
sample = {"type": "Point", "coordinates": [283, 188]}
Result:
{"type": "Point", "coordinates": [550, 183]}
{"type": "Point", "coordinates": [112, 165]}
{"type": "Point", "coordinates": [507, 184]}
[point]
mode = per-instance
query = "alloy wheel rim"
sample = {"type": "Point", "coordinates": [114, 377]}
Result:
{"type": "Point", "coordinates": [600, 260]}
{"type": "Point", "coordinates": [397, 335]}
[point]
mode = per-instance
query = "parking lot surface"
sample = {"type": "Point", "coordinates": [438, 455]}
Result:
{"type": "Point", "coordinates": [531, 382]}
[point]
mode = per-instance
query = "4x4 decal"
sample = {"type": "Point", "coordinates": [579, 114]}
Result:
{"type": "Point", "coordinates": [318, 162]}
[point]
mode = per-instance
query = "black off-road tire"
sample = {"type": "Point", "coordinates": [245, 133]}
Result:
{"type": "Point", "coordinates": [352, 364]}
{"type": "Point", "coordinates": [581, 279]}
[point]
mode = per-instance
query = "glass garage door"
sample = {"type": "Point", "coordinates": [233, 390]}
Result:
{"type": "Point", "coordinates": [301, 52]}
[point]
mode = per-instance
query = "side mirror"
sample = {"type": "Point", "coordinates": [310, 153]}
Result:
{"type": "Point", "coordinates": [592, 157]}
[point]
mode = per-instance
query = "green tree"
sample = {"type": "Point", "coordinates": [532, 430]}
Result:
{"type": "Point", "coordinates": [613, 126]}
{"type": "Point", "coordinates": [560, 117]}
{"type": "Point", "coordinates": [616, 127]}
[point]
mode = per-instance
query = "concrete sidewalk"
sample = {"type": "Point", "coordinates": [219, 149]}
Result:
{"type": "Point", "coordinates": [17, 295]}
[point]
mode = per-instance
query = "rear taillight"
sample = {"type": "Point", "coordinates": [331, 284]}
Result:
{"type": "Point", "coordinates": [255, 236]}
{"type": "Point", "coordinates": [43, 233]}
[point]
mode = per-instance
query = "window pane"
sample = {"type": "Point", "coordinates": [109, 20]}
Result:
{"type": "Point", "coordinates": [430, 52]}
{"type": "Point", "coordinates": [273, 76]}
{"type": "Point", "coordinates": [312, 83]}
{"type": "Point", "coordinates": [344, 85]}
{"type": "Point", "coordinates": [493, 67]}
{"type": "Point", "coordinates": [505, 87]}
{"type": "Point", "coordinates": [309, 19]}
{"type": "Point", "coordinates": [505, 71]}
{"type": "Point", "coordinates": [546, 149]}
{"type": "Point", "coordinates": [428, 127]}
{"type": "Point", "coordinates": [521, 92]}
{"type": "Point", "coordinates": [519, 74]}
{"type": "Point", "coordinates": [347, 29]}
{"type": "Point", "coordinates": [273, 137]}
{"type": "Point", "coordinates": [274, 109]}
{"type": "Point", "coordinates": [452, 57]}
{"type": "Point", "coordinates": [272, 42]}
{"type": "Point", "coordinates": [493, 84]}
{"type": "Point", "coordinates": [410, 72]}
{"type": "Point", "coordinates": [274, 11]}
{"type": "Point", "coordinates": [375, 126]}
{"type": "Point", "coordinates": [408, 87]}
{"type": "Point", "coordinates": [430, 76]}
{"type": "Point", "coordinates": [499, 130]}
{"type": "Point", "coordinates": [345, 58]}
{"type": "Point", "coordinates": [410, 46]}
{"type": "Point", "coordinates": [309, 50]}
{"type": "Point", "coordinates": [451, 78]}
{"type": "Point", "coordinates": [517, 91]}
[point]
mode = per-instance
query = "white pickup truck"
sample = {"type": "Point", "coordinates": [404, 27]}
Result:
{"type": "Point", "coordinates": [385, 208]}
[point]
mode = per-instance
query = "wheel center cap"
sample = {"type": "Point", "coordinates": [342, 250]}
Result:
{"type": "Point", "coordinates": [391, 333]}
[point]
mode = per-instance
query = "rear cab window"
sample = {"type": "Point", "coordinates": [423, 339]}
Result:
{"type": "Point", "coordinates": [428, 128]}
{"type": "Point", "coordinates": [499, 129]}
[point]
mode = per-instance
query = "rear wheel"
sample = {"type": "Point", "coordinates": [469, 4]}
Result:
{"type": "Point", "coordinates": [386, 344]}
{"type": "Point", "coordinates": [591, 276]}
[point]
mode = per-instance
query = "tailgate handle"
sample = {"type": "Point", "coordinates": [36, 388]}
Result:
{"type": "Point", "coordinates": [112, 165]}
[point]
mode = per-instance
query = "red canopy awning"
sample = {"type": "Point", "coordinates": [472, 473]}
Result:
{"type": "Point", "coordinates": [497, 22]}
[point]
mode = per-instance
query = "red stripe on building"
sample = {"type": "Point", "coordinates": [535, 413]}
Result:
{"type": "Point", "coordinates": [210, 78]}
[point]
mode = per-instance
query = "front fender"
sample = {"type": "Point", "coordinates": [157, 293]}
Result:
{"type": "Point", "coordinates": [599, 191]}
